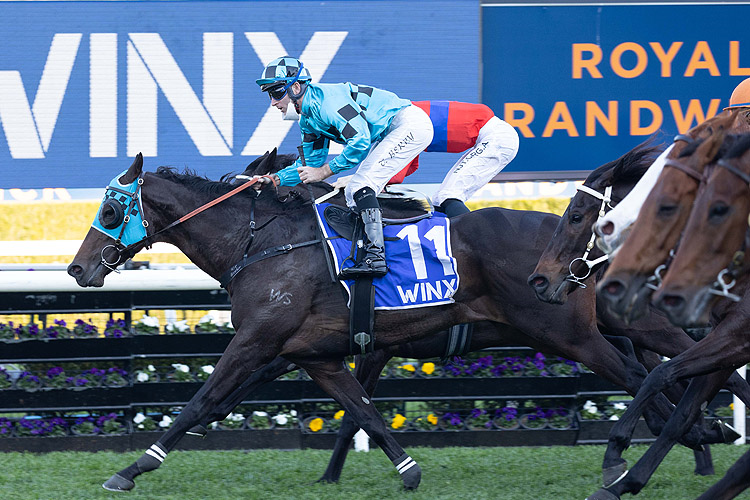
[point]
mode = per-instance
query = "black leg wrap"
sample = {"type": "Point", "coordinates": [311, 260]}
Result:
{"type": "Point", "coordinates": [411, 473]}
{"type": "Point", "coordinates": [613, 475]}
{"type": "Point", "coordinates": [199, 430]}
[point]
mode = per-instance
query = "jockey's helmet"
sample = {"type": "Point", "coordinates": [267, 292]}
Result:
{"type": "Point", "coordinates": [280, 74]}
{"type": "Point", "coordinates": [741, 95]}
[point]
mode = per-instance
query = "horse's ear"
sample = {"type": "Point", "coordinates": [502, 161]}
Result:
{"type": "Point", "coordinates": [134, 171]}
{"type": "Point", "coordinates": [269, 160]}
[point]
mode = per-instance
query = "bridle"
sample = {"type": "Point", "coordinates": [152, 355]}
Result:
{"type": "Point", "coordinates": [606, 198]}
{"type": "Point", "coordinates": [129, 239]}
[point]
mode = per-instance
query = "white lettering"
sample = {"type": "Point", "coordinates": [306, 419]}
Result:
{"type": "Point", "coordinates": [408, 296]}
{"type": "Point", "coordinates": [103, 95]}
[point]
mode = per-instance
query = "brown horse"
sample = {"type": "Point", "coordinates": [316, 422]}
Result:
{"type": "Point", "coordinates": [657, 229]}
{"type": "Point", "coordinates": [312, 328]}
{"type": "Point", "coordinates": [713, 233]}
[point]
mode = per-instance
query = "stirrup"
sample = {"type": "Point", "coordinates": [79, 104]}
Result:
{"type": "Point", "coordinates": [365, 268]}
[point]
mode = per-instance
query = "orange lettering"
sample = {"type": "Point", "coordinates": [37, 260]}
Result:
{"type": "Point", "coordinates": [527, 116]}
{"type": "Point", "coordinates": [579, 63]}
{"type": "Point", "coordinates": [734, 60]}
{"type": "Point", "coordinates": [595, 114]}
{"type": "Point", "coordinates": [702, 58]}
{"type": "Point", "coordinates": [666, 57]}
{"type": "Point", "coordinates": [657, 117]}
{"type": "Point", "coordinates": [640, 65]}
{"type": "Point", "coordinates": [560, 119]}
{"type": "Point", "coordinates": [694, 113]}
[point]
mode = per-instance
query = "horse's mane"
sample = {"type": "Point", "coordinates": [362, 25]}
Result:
{"type": "Point", "coordinates": [191, 180]}
{"type": "Point", "coordinates": [630, 167]}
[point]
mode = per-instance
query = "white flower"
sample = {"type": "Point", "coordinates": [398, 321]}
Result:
{"type": "Point", "coordinates": [614, 417]}
{"type": "Point", "coordinates": [142, 377]}
{"type": "Point", "coordinates": [293, 413]}
{"type": "Point", "coordinates": [235, 417]}
{"type": "Point", "coordinates": [209, 369]}
{"type": "Point", "coordinates": [281, 419]}
{"type": "Point", "coordinates": [512, 404]}
{"type": "Point", "coordinates": [590, 406]}
{"type": "Point", "coordinates": [151, 368]}
{"type": "Point", "coordinates": [150, 321]}
{"type": "Point", "coordinates": [260, 414]}
{"type": "Point", "coordinates": [166, 421]}
{"type": "Point", "coordinates": [620, 406]}
{"type": "Point", "coordinates": [180, 326]}
{"type": "Point", "coordinates": [140, 417]}
{"type": "Point", "coordinates": [208, 318]}
{"type": "Point", "coordinates": [180, 367]}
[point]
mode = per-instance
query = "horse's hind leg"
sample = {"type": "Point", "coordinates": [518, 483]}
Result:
{"type": "Point", "coordinates": [268, 373]}
{"type": "Point", "coordinates": [339, 383]}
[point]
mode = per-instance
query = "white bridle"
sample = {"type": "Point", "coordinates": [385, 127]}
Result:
{"type": "Point", "coordinates": [606, 199]}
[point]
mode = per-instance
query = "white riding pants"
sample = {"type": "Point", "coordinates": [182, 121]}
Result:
{"type": "Point", "coordinates": [497, 145]}
{"type": "Point", "coordinates": [409, 133]}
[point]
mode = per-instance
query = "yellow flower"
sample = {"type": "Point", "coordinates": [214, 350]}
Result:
{"type": "Point", "coordinates": [351, 365]}
{"type": "Point", "coordinates": [428, 368]}
{"type": "Point", "coordinates": [339, 415]}
{"type": "Point", "coordinates": [432, 418]}
{"type": "Point", "coordinates": [731, 406]}
{"type": "Point", "coordinates": [398, 421]}
{"type": "Point", "coordinates": [408, 367]}
{"type": "Point", "coordinates": [316, 424]}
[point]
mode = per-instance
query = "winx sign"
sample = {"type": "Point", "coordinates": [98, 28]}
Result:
{"type": "Point", "coordinates": [85, 86]}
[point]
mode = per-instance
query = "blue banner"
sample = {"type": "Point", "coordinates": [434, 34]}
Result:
{"type": "Point", "coordinates": [84, 86]}
{"type": "Point", "coordinates": [583, 84]}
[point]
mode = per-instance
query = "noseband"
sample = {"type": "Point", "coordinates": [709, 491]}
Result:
{"type": "Point", "coordinates": [606, 199]}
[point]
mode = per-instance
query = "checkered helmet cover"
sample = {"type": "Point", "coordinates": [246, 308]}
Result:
{"type": "Point", "coordinates": [283, 69]}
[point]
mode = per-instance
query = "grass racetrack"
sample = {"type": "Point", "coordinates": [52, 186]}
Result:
{"type": "Point", "coordinates": [529, 473]}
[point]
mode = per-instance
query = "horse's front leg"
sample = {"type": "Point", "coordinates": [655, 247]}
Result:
{"type": "Point", "coordinates": [237, 363]}
{"type": "Point", "coordinates": [268, 373]}
{"type": "Point", "coordinates": [367, 371]}
{"type": "Point", "coordinates": [334, 378]}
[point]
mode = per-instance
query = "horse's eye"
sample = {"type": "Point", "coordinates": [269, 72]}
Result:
{"type": "Point", "coordinates": [576, 218]}
{"type": "Point", "coordinates": [718, 209]}
{"type": "Point", "coordinates": [667, 210]}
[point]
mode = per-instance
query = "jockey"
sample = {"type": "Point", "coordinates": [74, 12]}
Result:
{"type": "Point", "coordinates": [381, 134]}
{"type": "Point", "coordinates": [489, 144]}
{"type": "Point", "coordinates": [741, 95]}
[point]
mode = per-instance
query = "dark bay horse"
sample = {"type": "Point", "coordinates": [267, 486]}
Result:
{"type": "Point", "coordinates": [312, 330]}
{"type": "Point", "coordinates": [657, 229]}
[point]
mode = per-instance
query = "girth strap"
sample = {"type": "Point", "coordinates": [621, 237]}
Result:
{"type": "Point", "coordinates": [459, 340]}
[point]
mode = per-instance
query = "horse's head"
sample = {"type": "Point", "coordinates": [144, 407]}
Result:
{"type": "Point", "coordinates": [570, 255]}
{"type": "Point", "coordinates": [712, 249]}
{"type": "Point", "coordinates": [661, 219]}
{"type": "Point", "coordinates": [118, 224]}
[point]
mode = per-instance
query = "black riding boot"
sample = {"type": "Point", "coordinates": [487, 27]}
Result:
{"type": "Point", "coordinates": [373, 263]}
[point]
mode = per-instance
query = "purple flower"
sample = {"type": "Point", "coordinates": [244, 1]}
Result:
{"type": "Point", "coordinates": [54, 371]}
{"type": "Point", "coordinates": [61, 322]}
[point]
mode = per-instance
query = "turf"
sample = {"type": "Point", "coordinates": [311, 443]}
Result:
{"type": "Point", "coordinates": [543, 473]}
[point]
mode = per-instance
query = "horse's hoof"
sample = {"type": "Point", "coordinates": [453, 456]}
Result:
{"type": "Point", "coordinates": [412, 477]}
{"type": "Point", "coordinates": [728, 432]}
{"type": "Point", "coordinates": [197, 430]}
{"type": "Point", "coordinates": [603, 494]}
{"type": "Point", "coordinates": [326, 480]}
{"type": "Point", "coordinates": [613, 475]}
{"type": "Point", "coordinates": [118, 483]}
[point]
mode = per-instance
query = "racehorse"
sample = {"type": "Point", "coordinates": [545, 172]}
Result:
{"type": "Point", "coordinates": [312, 331]}
{"type": "Point", "coordinates": [663, 214]}
{"type": "Point", "coordinates": [713, 233]}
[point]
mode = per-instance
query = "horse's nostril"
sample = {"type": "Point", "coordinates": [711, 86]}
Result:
{"type": "Point", "coordinates": [613, 288]}
{"type": "Point", "coordinates": [538, 282]}
{"type": "Point", "coordinates": [607, 229]}
{"type": "Point", "coordinates": [672, 301]}
{"type": "Point", "coordinates": [75, 270]}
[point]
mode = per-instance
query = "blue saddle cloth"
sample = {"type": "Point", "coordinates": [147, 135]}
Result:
{"type": "Point", "coordinates": [422, 270]}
